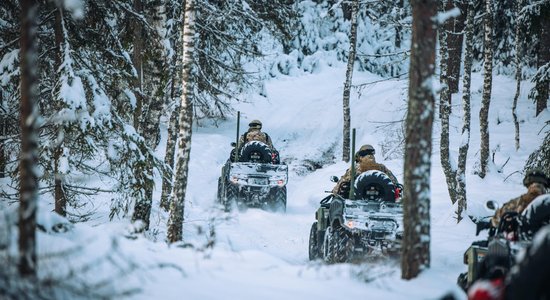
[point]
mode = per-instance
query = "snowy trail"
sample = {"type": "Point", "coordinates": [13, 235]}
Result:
{"type": "Point", "coordinates": [259, 254]}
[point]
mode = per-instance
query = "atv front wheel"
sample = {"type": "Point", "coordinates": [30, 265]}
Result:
{"type": "Point", "coordinates": [343, 245]}
{"type": "Point", "coordinates": [313, 243]}
{"type": "Point", "coordinates": [328, 246]}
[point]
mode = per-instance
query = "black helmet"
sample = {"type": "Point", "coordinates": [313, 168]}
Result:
{"type": "Point", "coordinates": [536, 175]}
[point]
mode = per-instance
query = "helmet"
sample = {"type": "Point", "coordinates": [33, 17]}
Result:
{"type": "Point", "coordinates": [364, 150]}
{"type": "Point", "coordinates": [536, 175]}
{"type": "Point", "coordinates": [257, 124]}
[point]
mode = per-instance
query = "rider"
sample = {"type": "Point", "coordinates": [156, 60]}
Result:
{"type": "Point", "coordinates": [255, 133]}
{"type": "Point", "coordinates": [536, 182]}
{"type": "Point", "coordinates": [365, 161]}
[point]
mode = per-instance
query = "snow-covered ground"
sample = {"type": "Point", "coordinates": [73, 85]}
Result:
{"type": "Point", "coordinates": [263, 255]}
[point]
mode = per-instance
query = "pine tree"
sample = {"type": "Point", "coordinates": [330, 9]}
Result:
{"type": "Point", "coordinates": [29, 125]}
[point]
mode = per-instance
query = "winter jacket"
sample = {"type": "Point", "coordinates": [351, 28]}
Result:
{"type": "Point", "coordinates": [364, 164]}
{"type": "Point", "coordinates": [518, 204]}
{"type": "Point", "coordinates": [254, 134]}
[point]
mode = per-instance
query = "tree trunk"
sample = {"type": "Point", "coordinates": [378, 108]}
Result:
{"type": "Point", "coordinates": [153, 93]}
{"type": "Point", "coordinates": [466, 114]}
{"type": "Point", "coordinates": [444, 113]}
{"type": "Point", "coordinates": [518, 73]}
{"type": "Point", "coordinates": [454, 45]}
{"type": "Point", "coordinates": [60, 199]}
{"type": "Point", "coordinates": [418, 143]}
{"type": "Point", "coordinates": [169, 158]}
{"type": "Point", "coordinates": [142, 208]}
{"type": "Point", "coordinates": [177, 201]}
{"type": "Point", "coordinates": [137, 61]}
{"type": "Point", "coordinates": [542, 86]}
{"type": "Point", "coordinates": [3, 134]}
{"type": "Point", "coordinates": [347, 84]}
{"type": "Point", "coordinates": [175, 94]}
{"type": "Point", "coordinates": [487, 85]}
{"type": "Point", "coordinates": [28, 123]}
{"type": "Point", "coordinates": [398, 25]}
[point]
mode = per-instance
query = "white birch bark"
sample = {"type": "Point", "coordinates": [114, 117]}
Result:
{"type": "Point", "coordinates": [347, 84]}
{"type": "Point", "coordinates": [177, 201]}
{"type": "Point", "coordinates": [518, 74]}
{"type": "Point", "coordinates": [444, 113]}
{"type": "Point", "coordinates": [466, 114]}
{"type": "Point", "coordinates": [487, 85]}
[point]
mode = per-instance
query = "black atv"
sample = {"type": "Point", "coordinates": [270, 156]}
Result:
{"type": "Point", "coordinates": [257, 179]}
{"type": "Point", "coordinates": [346, 230]}
{"type": "Point", "coordinates": [494, 257]}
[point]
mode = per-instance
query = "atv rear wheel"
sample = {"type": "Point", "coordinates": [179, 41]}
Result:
{"type": "Point", "coordinates": [278, 200]}
{"type": "Point", "coordinates": [231, 196]}
{"type": "Point", "coordinates": [220, 190]}
{"type": "Point", "coordinates": [314, 243]}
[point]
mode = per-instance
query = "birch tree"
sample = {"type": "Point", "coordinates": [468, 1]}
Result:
{"type": "Point", "coordinates": [29, 127]}
{"type": "Point", "coordinates": [177, 199]}
{"type": "Point", "coordinates": [454, 29]}
{"type": "Point", "coordinates": [418, 143]}
{"type": "Point", "coordinates": [149, 89]}
{"type": "Point", "coordinates": [487, 86]}
{"type": "Point", "coordinates": [518, 72]}
{"type": "Point", "coordinates": [173, 31]}
{"type": "Point", "coordinates": [445, 111]}
{"type": "Point", "coordinates": [347, 83]}
{"type": "Point", "coordinates": [466, 114]}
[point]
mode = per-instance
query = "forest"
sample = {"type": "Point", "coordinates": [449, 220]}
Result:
{"type": "Point", "coordinates": [117, 133]}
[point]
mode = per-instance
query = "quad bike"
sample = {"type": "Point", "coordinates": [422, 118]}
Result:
{"type": "Point", "coordinates": [255, 179]}
{"type": "Point", "coordinates": [494, 257]}
{"type": "Point", "coordinates": [370, 222]}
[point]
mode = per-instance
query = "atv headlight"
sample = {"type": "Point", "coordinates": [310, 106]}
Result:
{"type": "Point", "coordinates": [239, 179]}
{"type": "Point", "coordinates": [351, 224]}
{"type": "Point", "coordinates": [277, 180]}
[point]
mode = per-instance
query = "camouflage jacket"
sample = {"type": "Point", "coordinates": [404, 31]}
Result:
{"type": "Point", "coordinates": [517, 204]}
{"type": "Point", "coordinates": [256, 135]}
{"type": "Point", "coordinates": [342, 187]}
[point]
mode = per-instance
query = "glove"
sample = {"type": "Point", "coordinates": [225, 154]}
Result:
{"type": "Point", "coordinates": [481, 225]}
{"type": "Point", "coordinates": [344, 189]}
